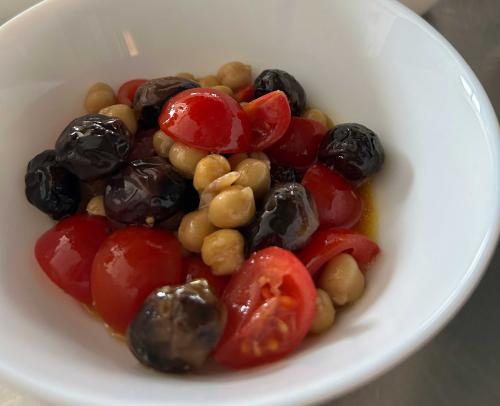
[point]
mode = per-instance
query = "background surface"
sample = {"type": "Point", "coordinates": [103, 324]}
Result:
{"type": "Point", "coordinates": [461, 366]}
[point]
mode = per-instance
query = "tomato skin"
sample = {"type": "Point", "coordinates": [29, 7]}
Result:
{"type": "Point", "coordinates": [271, 306]}
{"type": "Point", "coordinates": [327, 243]}
{"type": "Point", "coordinates": [130, 264]}
{"type": "Point", "coordinates": [245, 94]}
{"type": "Point", "coordinates": [195, 268]}
{"type": "Point", "coordinates": [270, 117]}
{"type": "Point", "coordinates": [66, 251]}
{"type": "Point", "coordinates": [126, 92]}
{"type": "Point", "coordinates": [337, 201]}
{"type": "Point", "coordinates": [299, 146]}
{"type": "Point", "coordinates": [206, 119]}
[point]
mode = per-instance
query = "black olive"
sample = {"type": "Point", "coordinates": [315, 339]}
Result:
{"type": "Point", "coordinates": [276, 79]}
{"type": "Point", "coordinates": [50, 187]}
{"type": "Point", "coordinates": [142, 148]}
{"type": "Point", "coordinates": [287, 220]}
{"type": "Point", "coordinates": [352, 150]}
{"type": "Point", "coordinates": [152, 95]}
{"type": "Point", "coordinates": [145, 191]}
{"type": "Point", "coordinates": [93, 145]}
{"type": "Point", "coordinates": [177, 327]}
{"type": "Point", "coordinates": [284, 174]}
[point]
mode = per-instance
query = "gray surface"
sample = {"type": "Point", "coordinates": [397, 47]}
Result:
{"type": "Point", "coordinates": [461, 366]}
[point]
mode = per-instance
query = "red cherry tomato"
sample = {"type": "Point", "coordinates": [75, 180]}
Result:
{"type": "Point", "coordinates": [126, 92]}
{"type": "Point", "coordinates": [206, 119]}
{"type": "Point", "coordinates": [245, 95]}
{"type": "Point", "coordinates": [130, 264]}
{"type": "Point", "coordinates": [299, 146]}
{"type": "Point", "coordinates": [338, 202]}
{"type": "Point", "coordinates": [271, 305]}
{"type": "Point", "coordinates": [327, 243]}
{"type": "Point", "coordinates": [196, 269]}
{"type": "Point", "coordinates": [66, 251]}
{"type": "Point", "coordinates": [270, 117]}
{"type": "Point", "coordinates": [142, 147]}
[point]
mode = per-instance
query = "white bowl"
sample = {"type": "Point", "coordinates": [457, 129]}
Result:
{"type": "Point", "coordinates": [419, 6]}
{"type": "Point", "coordinates": [369, 61]}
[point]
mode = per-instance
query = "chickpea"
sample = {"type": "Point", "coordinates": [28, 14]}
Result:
{"type": "Point", "coordinates": [185, 158]}
{"type": "Point", "coordinates": [316, 115]}
{"type": "Point", "coordinates": [223, 251]}
{"type": "Point", "coordinates": [208, 81]}
{"type": "Point", "coordinates": [98, 96]}
{"type": "Point", "coordinates": [224, 89]}
{"type": "Point", "coordinates": [185, 75]}
{"type": "Point", "coordinates": [325, 313]}
{"type": "Point", "coordinates": [194, 227]}
{"type": "Point", "coordinates": [261, 157]}
{"type": "Point", "coordinates": [329, 123]}
{"type": "Point", "coordinates": [233, 207]}
{"type": "Point", "coordinates": [235, 159]}
{"type": "Point", "coordinates": [342, 279]}
{"type": "Point", "coordinates": [124, 113]}
{"type": "Point", "coordinates": [95, 206]}
{"type": "Point", "coordinates": [208, 169]}
{"type": "Point", "coordinates": [162, 143]}
{"type": "Point", "coordinates": [255, 174]}
{"type": "Point", "coordinates": [217, 186]}
{"type": "Point", "coordinates": [235, 75]}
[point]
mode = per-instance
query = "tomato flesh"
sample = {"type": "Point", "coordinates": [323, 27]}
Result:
{"type": "Point", "coordinates": [65, 253]}
{"type": "Point", "coordinates": [270, 117]}
{"type": "Point", "coordinates": [195, 268]}
{"type": "Point", "coordinates": [126, 92]}
{"type": "Point", "coordinates": [337, 201]}
{"type": "Point", "coordinates": [271, 305]}
{"type": "Point", "coordinates": [130, 264]}
{"type": "Point", "coordinates": [245, 94]}
{"type": "Point", "coordinates": [327, 243]}
{"type": "Point", "coordinates": [299, 146]}
{"type": "Point", "coordinates": [206, 119]}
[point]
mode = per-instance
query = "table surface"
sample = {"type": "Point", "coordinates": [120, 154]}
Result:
{"type": "Point", "coordinates": [461, 366]}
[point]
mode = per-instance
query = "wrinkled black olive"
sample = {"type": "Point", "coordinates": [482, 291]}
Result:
{"type": "Point", "coordinates": [93, 145]}
{"type": "Point", "coordinates": [276, 79]}
{"type": "Point", "coordinates": [145, 191]}
{"type": "Point", "coordinates": [177, 327]}
{"type": "Point", "coordinates": [287, 220]}
{"type": "Point", "coordinates": [152, 95]}
{"type": "Point", "coordinates": [191, 199]}
{"type": "Point", "coordinates": [284, 174]}
{"type": "Point", "coordinates": [50, 187]}
{"type": "Point", "coordinates": [352, 150]}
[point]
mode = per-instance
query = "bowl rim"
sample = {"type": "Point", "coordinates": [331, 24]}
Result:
{"type": "Point", "coordinates": [319, 391]}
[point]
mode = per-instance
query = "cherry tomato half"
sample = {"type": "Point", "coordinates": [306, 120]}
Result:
{"type": "Point", "coordinates": [246, 94]}
{"type": "Point", "coordinates": [130, 264]}
{"type": "Point", "coordinates": [207, 119]}
{"type": "Point", "coordinates": [197, 269]}
{"type": "Point", "coordinates": [271, 305]}
{"type": "Point", "coordinates": [270, 117]}
{"type": "Point", "coordinates": [327, 243]}
{"type": "Point", "coordinates": [337, 201]}
{"type": "Point", "coordinates": [299, 146]}
{"type": "Point", "coordinates": [66, 251]}
{"type": "Point", "coordinates": [126, 92]}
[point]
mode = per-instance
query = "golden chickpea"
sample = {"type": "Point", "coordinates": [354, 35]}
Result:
{"type": "Point", "coordinates": [223, 251]}
{"type": "Point", "coordinates": [185, 75]}
{"type": "Point", "coordinates": [261, 156]}
{"type": "Point", "coordinates": [342, 280]}
{"type": "Point", "coordinates": [185, 158]}
{"type": "Point", "coordinates": [217, 186]}
{"type": "Point", "coordinates": [98, 96]}
{"type": "Point", "coordinates": [194, 227]}
{"type": "Point", "coordinates": [325, 313]}
{"type": "Point", "coordinates": [329, 123]}
{"type": "Point", "coordinates": [124, 113]}
{"type": "Point", "coordinates": [255, 174]}
{"type": "Point", "coordinates": [224, 89]}
{"type": "Point", "coordinates": [233, 207]}
{"type": "Point", "coordinates": [208, 169]}
{"type": "Point", "coordinates": [235, 159]}
{"type": "Point", "coordinates": [316, 115]}
{"type": "Point", "coordinates": [208, 81]}
{"type": "Point", "coordinates": [162, 143]}
{"type": "Point", "coordinates": [95, 206]}
{"type": "Point", "coordinates": [235, 75]}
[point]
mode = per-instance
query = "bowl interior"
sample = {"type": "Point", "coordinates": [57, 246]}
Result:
{"type": "Point", "coordinates": [367, 61]}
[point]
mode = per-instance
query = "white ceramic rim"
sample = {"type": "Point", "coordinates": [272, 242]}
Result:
{"type": "Point", "coordinates": [318, 391]}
